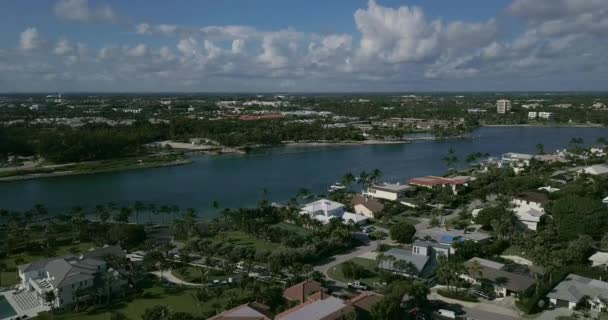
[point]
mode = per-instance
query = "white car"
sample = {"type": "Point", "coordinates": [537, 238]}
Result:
{"type": "Point", "coordinates": [358, 285]}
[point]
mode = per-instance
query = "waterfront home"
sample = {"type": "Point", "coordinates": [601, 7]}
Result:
{"type": "Point", "coordinates": [599, 260]}
{"type": "Point", "coordinates": [319, 307]}
{"type": "Point", "coordinates": [405, 262]}
{"type": "Point", "coordinates": [529, 210]}
{"type": "Point", "coordinates": [387, 191]}
{"type": "Point", "coordinates": [67, 277]}
{"type": "Point", "coordinates": [247, 311]}
{"type": "Point", "coordinates": [447, 237]}
{"type": "Point", "coordinates": [301, 291]}
{"type": "Point", "coordinates": [595, 170]}
{"type": "Point", "coordinates": [366, 206]}
{"type": "Point", "coordinates": [433, 182]}
{"type": "Point", "coordinates": [506, 280]}
{"type": "Point", "coordinates": [517, 161]}
{"type": "Point", "coordinates": [576, 290]}
{"type": "Point", "coordinates": [324, 210]}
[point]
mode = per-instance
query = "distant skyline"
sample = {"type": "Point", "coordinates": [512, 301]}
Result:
{"type": "Point", "coordinates": [303, 46]}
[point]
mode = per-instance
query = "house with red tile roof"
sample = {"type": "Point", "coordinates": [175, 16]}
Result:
{"type": "Point", "coordinates": [302, 291]}
{"type": "Point", "coordinates": [247, 311]}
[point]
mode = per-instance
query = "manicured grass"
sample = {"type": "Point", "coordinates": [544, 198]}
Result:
{"type": "Point", "coordinates": [182, 301]}
{"type": "Point", "coordinates": [458, 295]}
{"type": "Point", "coordinates": [294, 228]}
{"type": "Point", "coordinates": [10, 277]}
{"type": "Point", "coordinates": [337, 274]}
{"type": "Point", "coordinates": [240, 238]}
{"type": "Point", "coordinates": [192, 274]}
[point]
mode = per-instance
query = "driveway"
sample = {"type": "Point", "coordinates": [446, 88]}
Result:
{"type": "Point", "coordinates": [167, 275]}
{"type": "Point", "coordinates": [500, 309]}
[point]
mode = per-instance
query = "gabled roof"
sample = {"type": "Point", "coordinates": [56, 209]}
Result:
{"type": "Point", "coordinates": [370, 203]}
{"type": "Point", "coordinates": [301, 291]}
{"type": "Point", "coordinates": [247, 311]}
{"type": "Point", "coordinates": [494, 272]}
{"type": "Point", "coordinates": [322, 205]}
{"type": "Point", "coordinates": [329, 308]}
{"type": "Point", "coordinates": [597, 169]}
{"type": "Point", "coordinates": [419, 261]}
{"type": "Point", "coordinates": [575, 287]}
{"type": "Point", "coordinates": [366, 300]}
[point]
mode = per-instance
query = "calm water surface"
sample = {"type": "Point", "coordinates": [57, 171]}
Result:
{"type": "Point", "coordinates": [239, 180]}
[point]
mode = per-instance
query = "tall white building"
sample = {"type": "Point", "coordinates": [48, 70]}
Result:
{"type": "Point", "coordinates": [503, 106]}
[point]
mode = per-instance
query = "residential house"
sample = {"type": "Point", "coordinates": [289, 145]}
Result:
{"type": "Point", "coordinates": [596, 170]}
{"type": "Point", "coordinates": [506, 280]}
{"type": "Point", "coordinates": [364, 303]}
{"type": "Point", "coordinates": [319, 307]}
{"type": "Point", "coordinates": [324, 210]}
{"type": "Point", "coordinates": [247, 311]}
{"type": "Point", "coordinates": [529, 209]}
{"type": "Point", "coordinates": [576, 290]}
{"type": "Point", "coordinates": [432, 182]}
{"type": "Point", "coordinates": [447, 237]}
{"type": "Point", "coordinates": [431, 249]}
{"type": "Point", "coordinates": [517, 161]}
{"type": "Point", "coordinates": [301, 291]}
{"type": "Point", "coordinates": [68, 277]}
{"type": "Point", "coordinates": [415, 264]}
{"type": "Point", "coordinates": [366, 206]}
{"type": "Point", "coordinates": [599, 260]}
{"type": "Point", "coordinates": [387, 191]}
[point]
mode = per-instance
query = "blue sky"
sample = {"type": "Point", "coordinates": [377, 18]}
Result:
{"type": "Point", "coordinates": [271, 45]}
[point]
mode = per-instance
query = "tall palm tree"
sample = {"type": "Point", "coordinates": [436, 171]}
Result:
{"type": "Point", "coordinates": [138, 207]}
{"type": "Point", "coordinates": [375, 175]}
{"type": "Point", "coordinates": [348, 179]}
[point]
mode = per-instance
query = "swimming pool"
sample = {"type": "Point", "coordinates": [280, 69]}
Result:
{"type": "Point", "coordinates": [6, 311]}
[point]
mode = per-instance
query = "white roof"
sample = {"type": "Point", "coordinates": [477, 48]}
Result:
{"type": "Point", "coordinates": [599, 258]}
{"type": "Point", "coordinates": [322, 205]}
{"type": "Point", "coordinates": [356, 218]}
{"type": "Point", "coordinates": [316, 310]}
{"type": "Point", "coordinates": [597, 169]}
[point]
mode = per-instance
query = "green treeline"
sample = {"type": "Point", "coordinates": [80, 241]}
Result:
{"type": "Point", "coordinates": [98, 142]}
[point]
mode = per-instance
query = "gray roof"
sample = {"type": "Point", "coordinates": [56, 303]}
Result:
{"type": "Point", "coordinates": [391, 187]}
{"type": "Point", "coordinates": [513, 281]}
{"type": "Point", "coordinates": [63, 273]}
{"type": "Point", "coordinates": [419, 261]}
{"type": "Point", "coordinates": [34, 265]}
{"type": "Point", "coordinates": [315, 310]}
{"type": "Point", "coordinates": [420, 243]}
{"type": "Point", "coordinates": [575, 287]}
{"type": "Point", "coordinates": [448, 236]}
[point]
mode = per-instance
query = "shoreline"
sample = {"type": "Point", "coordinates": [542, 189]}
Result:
{"type": "Point", "coordinates": [339, 143]}
{"type": "Point", "coordinates": [535, 125]}
{"type": "Point", "coordinates": [33, 176]}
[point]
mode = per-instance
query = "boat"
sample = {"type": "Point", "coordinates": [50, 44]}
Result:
{"type": "Point", "coordinates": [336, 187]}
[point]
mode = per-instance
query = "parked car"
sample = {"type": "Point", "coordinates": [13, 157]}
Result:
{"type": "Point", "coordinates": [358, 285]}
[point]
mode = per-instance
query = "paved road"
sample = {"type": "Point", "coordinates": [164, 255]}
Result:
{"type": "Point", "coordinates": [167, 275]}
{"type": "Point", "coordinates": [503, 309]}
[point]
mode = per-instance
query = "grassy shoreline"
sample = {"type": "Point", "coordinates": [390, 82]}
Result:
{"type": "Point", "coordinates": [94, 167]}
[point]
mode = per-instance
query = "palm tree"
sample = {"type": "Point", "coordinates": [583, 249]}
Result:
{"type": "Point", "coordinates": [40, 210]}
{"type": "Point", "coordinates": [152, 209]}
{"type": "Point", "coordinates": [450, 159]}
{"type": "Point", "coordinates": [49, 298]}
{"type": "Point", "coordinates": [348, 179]}
{"type": "Point", "coordinates": [363, 179]}
{"type": "Point", "coordinates": [540, 148]}
{"type": "Point", "coordinates": [376, 175]}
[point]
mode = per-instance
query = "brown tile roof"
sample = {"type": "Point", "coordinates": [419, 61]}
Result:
{"type": "Point", "coordinates": [366, 300]}
{"type": "Point", "coordinates": [370, 203]}
{"type": "Point", "coordinates": [301, 291]}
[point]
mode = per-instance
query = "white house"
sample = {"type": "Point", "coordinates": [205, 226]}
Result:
{"type": "Point", "coordinates": [576, 290]}
{"type": "Point", "coordinates": [388, 191]}
{"type": "Point", "coordinates": [528, 212]}
{"type": "Point", "coordinates": [324, 210]}
{"type": "Point", "coordinates": [599, 260]}
{"type": "Point", "coordinates": [66, 277]}
{"type": "Point", "coordinates": [596, 170]}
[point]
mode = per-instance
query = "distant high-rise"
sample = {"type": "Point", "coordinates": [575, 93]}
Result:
{"type": "Point", "coordinates": [503, 106]}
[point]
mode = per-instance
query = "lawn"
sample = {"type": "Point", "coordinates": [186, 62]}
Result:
{"type": "Point", "coordinates": [240, 238]}
{"type": "Point", "coordinates": [182, 301]}
{"type": "Point", "coordinates": [10, 277]}
{"type": "Point", "coordinates": [294, 228]}
{"type": "Point", "coordinates": [192, 274]}
{"type": "Point", "coordinates": [337, 274]}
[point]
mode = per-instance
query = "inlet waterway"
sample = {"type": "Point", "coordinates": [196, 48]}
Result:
{"type": "Point", "coordinates": [242, 180]}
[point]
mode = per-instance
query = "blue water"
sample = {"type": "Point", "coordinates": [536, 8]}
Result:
{"type": "Point", "coordinates": [6, 310]}
{"type": "Point", "coordinates": [239, 180]}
